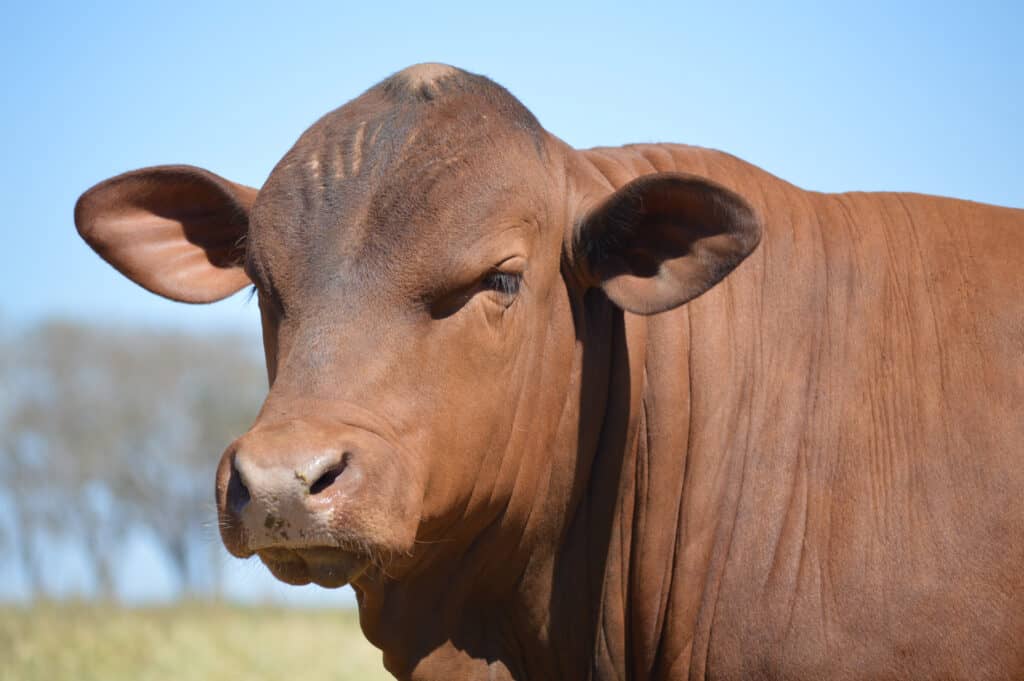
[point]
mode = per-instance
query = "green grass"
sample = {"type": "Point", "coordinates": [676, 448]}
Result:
{"type": "Point", "coordinates": [85, 642]}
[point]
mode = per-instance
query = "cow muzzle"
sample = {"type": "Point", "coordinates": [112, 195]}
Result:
{"type": "Point", "coordinates": [317, 500]}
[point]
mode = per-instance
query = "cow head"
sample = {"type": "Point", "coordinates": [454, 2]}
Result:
{"type": "Point", "coordinates": [421, 257]}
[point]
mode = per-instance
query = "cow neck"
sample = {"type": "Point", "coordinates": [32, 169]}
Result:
{"type": "Point", "coordinates": [636, 576]}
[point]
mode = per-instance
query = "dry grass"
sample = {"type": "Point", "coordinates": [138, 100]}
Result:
{"type": "Point", "coordinates": [194, 641]}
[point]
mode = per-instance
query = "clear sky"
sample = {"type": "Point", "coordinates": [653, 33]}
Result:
{"type": "Point", "coordinates": [919, 96]}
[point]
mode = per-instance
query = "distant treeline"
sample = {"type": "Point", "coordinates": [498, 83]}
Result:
{"type": "Point", "coordinates": [106, 430]}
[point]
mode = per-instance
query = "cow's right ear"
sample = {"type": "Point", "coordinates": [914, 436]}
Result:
{"type": "Point", "coordinates": [178, 231]}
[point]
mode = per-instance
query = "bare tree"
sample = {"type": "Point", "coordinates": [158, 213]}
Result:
{"type": "Point", "coordinates": [107, 429]}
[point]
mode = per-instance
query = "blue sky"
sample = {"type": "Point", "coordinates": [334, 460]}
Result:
{"type": "Point", "coordinates": [909, 96]}
{"type": "Point", "coordinates": [860, 95]}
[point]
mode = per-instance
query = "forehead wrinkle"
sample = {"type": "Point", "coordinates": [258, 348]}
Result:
{"type": "Point", "coordinates": [405, 235]}
{"type": "Point", "coordinates": [374, 180]}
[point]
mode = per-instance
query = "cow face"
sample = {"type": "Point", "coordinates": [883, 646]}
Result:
{"type": "Point", "coordinates": [419, 256]}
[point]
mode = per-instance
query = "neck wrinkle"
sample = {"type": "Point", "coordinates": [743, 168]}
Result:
{"type": "Point", "coordinates": [675, 501]}
{"type": "Point", "coordinates": [586, 599]}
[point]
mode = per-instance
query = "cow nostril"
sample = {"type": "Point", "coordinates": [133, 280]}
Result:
{"type": "Point", "coordinates": [329, 476]}
{"type": "Point", "coordinates": [238, 493]}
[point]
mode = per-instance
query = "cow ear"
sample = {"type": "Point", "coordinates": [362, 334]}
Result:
{"type": "Point", "coordinates": [178, 231]}
{"type": "Point", "coordinates": [664, 239]}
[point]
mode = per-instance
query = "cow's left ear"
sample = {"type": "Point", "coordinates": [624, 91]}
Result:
{"type": "Point", "coordinates": [664, 239]}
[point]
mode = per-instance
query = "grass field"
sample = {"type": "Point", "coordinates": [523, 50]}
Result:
{"type": "Point", "coordinates": [181, 643]}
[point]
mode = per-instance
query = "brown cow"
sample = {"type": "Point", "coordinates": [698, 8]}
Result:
{"type": "Point", "coordinates": [500, 410]}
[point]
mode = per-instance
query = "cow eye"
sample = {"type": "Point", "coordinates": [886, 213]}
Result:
{"type": "Point", "coordinates": [506, 283]}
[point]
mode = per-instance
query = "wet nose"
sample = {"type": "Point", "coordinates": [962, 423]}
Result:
{"type": "Point", "coordinates": [277, 485]}
{"type": "Point", "coordinates": [280, 485]}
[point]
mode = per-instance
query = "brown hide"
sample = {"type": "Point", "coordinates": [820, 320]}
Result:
{"type": "Point", "coordinates": [807, 467]}
{"type": "Point", "coordinates": [831, 448]}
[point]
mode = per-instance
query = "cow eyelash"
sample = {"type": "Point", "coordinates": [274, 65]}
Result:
{"type": "Point", "coordinates": [507, 283]}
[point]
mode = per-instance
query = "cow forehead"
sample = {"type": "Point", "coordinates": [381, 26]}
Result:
{"type": "Point", "coordinates": [432, 156]}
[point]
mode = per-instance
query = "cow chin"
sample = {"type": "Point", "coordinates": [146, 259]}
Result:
{"type": "Point", "coordinates": [325, 566]}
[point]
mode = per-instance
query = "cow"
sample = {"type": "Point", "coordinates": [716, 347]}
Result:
{"type": "Point", "coordinates": [645, 412]}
